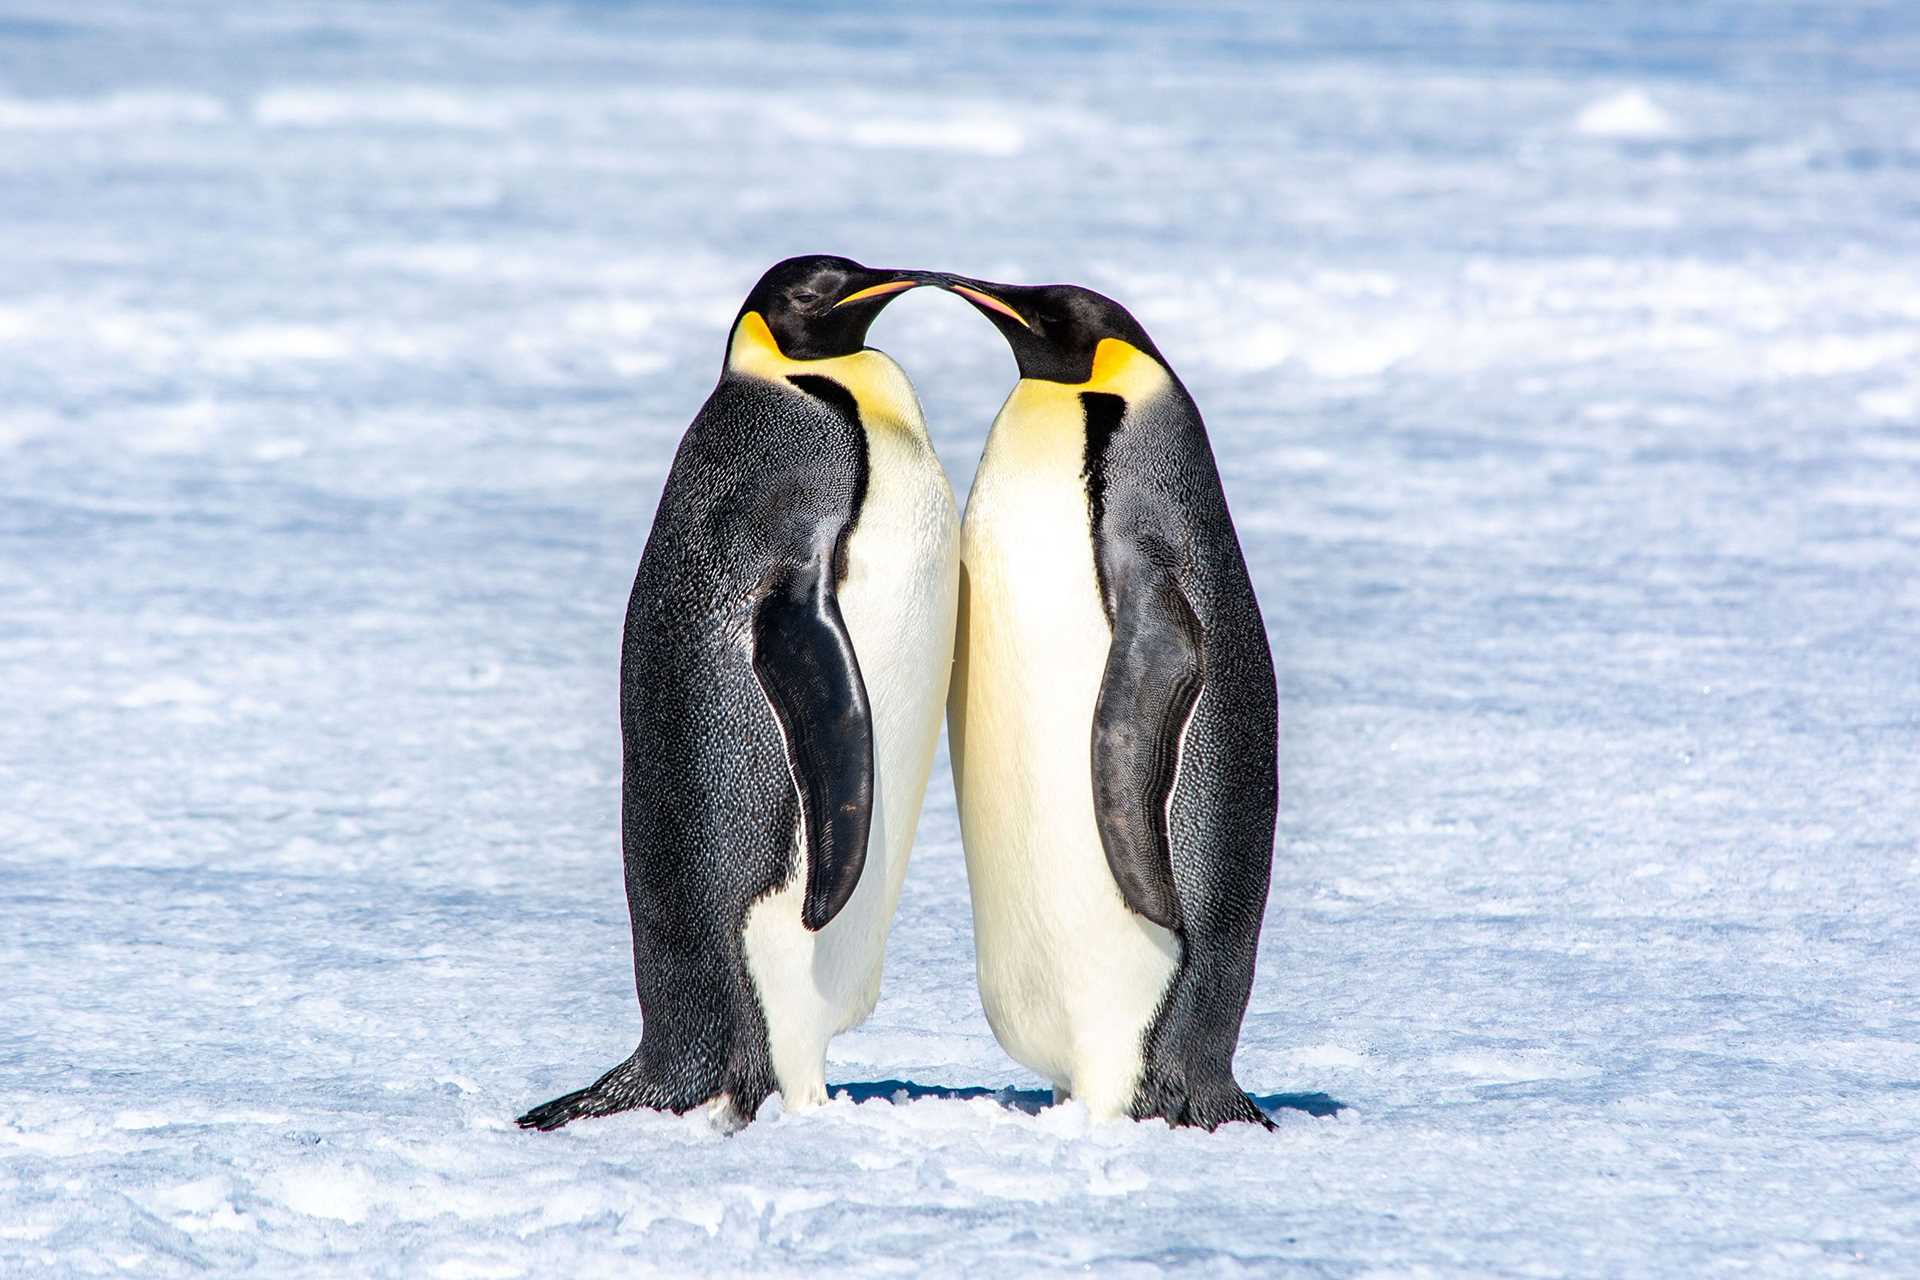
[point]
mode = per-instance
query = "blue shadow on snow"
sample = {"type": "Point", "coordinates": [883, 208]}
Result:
{"type": "Point", "coordinates": [1031, 1101]}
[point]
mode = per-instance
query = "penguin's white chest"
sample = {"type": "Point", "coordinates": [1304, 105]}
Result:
{"type": "Point", "coordinates": [1069, 976]}
{"type": "Point", "coordinates": [897, 600]}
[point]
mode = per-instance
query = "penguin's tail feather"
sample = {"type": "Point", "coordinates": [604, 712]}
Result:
{"type": "Point", "coordinates": [1200, 1105]}
{"type": "Point", "coordinates": [549, 1116]}
{"type": "Point", "coordinates": [631, 1086]}
{"type": "Point", "coordinates": [1228, 1106]}
{"type": "Point", "coordinates": [621, 1089]}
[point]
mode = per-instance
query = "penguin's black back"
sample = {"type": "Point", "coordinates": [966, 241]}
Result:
{"type": "Point", "coordinates": [1154, 491]}
{"type": "Point", "coordinates": [763, 479]}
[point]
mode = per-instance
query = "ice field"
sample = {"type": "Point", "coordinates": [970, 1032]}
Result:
{"type": "Point", "coordinates": [1563, 364]}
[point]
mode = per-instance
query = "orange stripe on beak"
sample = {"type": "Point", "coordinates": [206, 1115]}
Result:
{"type": "Point", "coordinates": [875, 291]}
{"type": "Point", "coordinates": [991, 303]}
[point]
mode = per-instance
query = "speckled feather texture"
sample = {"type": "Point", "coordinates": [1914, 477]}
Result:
{"type": "Point", "coordinates": [762, 490]}
{"type": "Point", "coordinates": [1165, 531]}
{"type": "Point", "coordinates": [1559, 364]}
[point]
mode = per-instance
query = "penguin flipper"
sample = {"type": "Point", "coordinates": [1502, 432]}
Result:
{"type": "Point", "coordinates": [805, 662]}
{"type": "Point", "coordinates": [1147, 695]}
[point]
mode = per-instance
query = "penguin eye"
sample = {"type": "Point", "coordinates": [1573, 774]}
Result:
{"type": "Point", "coordinates": [803, 297]}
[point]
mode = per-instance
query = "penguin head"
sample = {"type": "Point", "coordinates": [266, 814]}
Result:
{"type": "Point", "coordinates": [820, 306]}
{"type": "Point", "coordinates": [1054, 329]}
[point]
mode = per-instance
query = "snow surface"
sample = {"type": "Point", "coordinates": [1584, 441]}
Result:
{"type": "Point", "coordinates": [1563, 362]}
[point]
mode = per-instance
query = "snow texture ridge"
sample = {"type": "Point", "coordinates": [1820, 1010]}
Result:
{"type": "Point", "coordinates": [1563, 365]}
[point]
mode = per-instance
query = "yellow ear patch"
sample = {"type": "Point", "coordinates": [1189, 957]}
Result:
{"type": "Point", "coordinates": [1112, 360]}
{"type": "Point", "coordinates": [1124, 370]}
{"type": "Point", "coordinates": [753, 348]}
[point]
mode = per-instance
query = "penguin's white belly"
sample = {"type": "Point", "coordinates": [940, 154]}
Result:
{"type": "Point", "coordinates": [1069, 976]}
{"type": "Point", "coordinates": [898, 603]}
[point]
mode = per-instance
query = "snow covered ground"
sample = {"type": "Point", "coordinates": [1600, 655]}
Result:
{"type": "Point", "coordinates": [1564, 366]}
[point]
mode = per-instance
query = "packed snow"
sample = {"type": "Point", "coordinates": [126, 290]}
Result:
{"type": "Point", "coordinates": [1563, 364]}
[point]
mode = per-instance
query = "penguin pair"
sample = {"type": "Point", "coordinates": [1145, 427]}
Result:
{"type": "Point", "coordinates": [805, 593]}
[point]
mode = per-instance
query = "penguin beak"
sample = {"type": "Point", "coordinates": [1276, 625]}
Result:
{"type": "Point", "coordinates": [902, 281]}
{"type": "Point", "coordinates": [975, 291]}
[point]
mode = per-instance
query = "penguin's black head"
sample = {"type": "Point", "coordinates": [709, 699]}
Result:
{"type": "Point", "coordinates": [1054, 329]}
{"type": "Point", "coordinates": [820, 306]}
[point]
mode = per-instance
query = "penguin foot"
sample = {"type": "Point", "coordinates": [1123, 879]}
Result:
{"type": "Point", "coordinates": [726, 1115]}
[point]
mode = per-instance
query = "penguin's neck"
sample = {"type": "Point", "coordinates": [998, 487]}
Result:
{"type": "Point", "coordinates": [878, 386]}
{"type": "Point", "coordinates": [1119, 368]}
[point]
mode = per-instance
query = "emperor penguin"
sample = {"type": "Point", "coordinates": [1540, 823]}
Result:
{"type": "Point", "coordinates": [1112, 722]}
{"type": "Point", "coordinates": [788, 643]}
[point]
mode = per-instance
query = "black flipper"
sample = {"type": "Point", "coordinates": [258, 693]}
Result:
{"type": "Point", "coordinates": [806, 665]}
{"type": "Point", "coordinates": [1147, 695]}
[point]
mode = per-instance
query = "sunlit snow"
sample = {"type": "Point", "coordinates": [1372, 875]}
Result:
{"type": "Point", "coordinates": [1563, 365]}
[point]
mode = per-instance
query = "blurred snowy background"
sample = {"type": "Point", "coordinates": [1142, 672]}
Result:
{"type": "Point", "coordinates": [1563, 362]}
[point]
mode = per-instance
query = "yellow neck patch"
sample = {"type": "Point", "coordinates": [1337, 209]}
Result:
{"type": "Point", "coordinates": [877, 384]}
{"type": "Point", "coordinates": [1039, 407]}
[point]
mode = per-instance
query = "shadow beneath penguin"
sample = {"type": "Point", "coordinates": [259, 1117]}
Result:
{"type": "Point", "coordinates": [1028, 1100]}
{"type": "Point", "coordinates": [1033, 1101]}
{"type": "Point", "coordinates": [1314, 1104]}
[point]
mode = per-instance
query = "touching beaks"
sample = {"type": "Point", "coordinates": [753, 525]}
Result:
{"type": "Point", "coordinates": [979, 297]}
{"type": "Point", "coordinates": [982, 298]}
